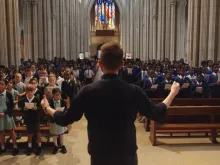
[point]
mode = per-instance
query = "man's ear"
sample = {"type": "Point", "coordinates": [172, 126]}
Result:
{"type": "Point", "coordinates": [100, 64]}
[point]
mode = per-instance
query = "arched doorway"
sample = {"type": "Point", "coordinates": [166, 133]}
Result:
{"type": "Point", "coordinates": [94, 39]}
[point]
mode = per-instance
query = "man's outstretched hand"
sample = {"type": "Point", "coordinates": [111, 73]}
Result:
{"type": "Point", "coordinates": [174, 91]}
{"type": "Point", "coordinates": [175, 88]}
{"type": "Point", "coordinates": [44, 102]}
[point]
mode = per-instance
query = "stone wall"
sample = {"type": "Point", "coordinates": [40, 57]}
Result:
{"type": "Point", "coordinates": [148, 29]}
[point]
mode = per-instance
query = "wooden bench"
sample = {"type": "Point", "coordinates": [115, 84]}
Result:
{"type": "Point", "coordinates": [177, 121]}
{"type": "Point", "coordinates": [184, 102]}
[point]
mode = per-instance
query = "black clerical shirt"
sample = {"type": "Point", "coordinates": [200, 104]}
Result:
{"type": "Point", "coordinates": [110, 106]}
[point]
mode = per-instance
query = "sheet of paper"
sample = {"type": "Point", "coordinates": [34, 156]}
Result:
{"type": "Point", "coordinates": [185, 85]}
{"type": "Point", "coordinates": [168, 87]}
{"type": "Point", "coordinates": [198, 89]}
{"type": "Point", "coordinates": [129, 70]}
{"type": "Point", "coordinates": [218, 77]}
{"type": "Point", "coordinates": [60, 108]}
{"type": "Point", "coordinates": [154, 86]}
{"type": "Point", "coordinates": [29, 105]}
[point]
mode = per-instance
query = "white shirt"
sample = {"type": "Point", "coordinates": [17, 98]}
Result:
{"type": "Point", "coordinates": [89, 73]}
{"type": "Point", "coordinates": [151, 80]}
{"type": "Point", "coordinates": [59, 81]}
{"type": "Point", "coordinates": [76, 73]}
{"type": "Point", "coordinates": [143, 74]}
{"type": "Point", "coordinates": [30, 100]}
{"type": "Point", "coordinates": [214, 73]}
{"type": "Point", "coordinates": [26, 81]}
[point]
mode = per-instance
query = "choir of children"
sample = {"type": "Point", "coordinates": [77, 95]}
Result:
{"type": "Point", "coordinates": [154, 77]}
{"type": "Point", "coordinates": [25, 89]}
{"type": "Point", "coordinates": [60, 80]}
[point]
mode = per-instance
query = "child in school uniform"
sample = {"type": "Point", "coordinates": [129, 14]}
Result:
{"type": "Point", "coordinates": [68, 87]}
{"type": "Point", "coordinates": [166, 84]}
{"type": "Point", "coordinates": [214, 82]}
{"type": "Point", "coordinates": [199, 87]}
{"type": "Point", "coordinates": [56, 130]}
{"type": "Point", "coordinates": [19, 85]}
{"type": "Point", "coordinates": [6, 119]}
{"type": "Point", "coordinates": [32, 117]}
{"type": "Point", "coordinates": [37, 91]}
{"type": "Point", "coordinates": [185, 91]}
{"type": "Point", "coordinates": [14, 92]}
{"type": "Point", "coordinates": [149, 82]}
{"type": "Point", "coordinates": [52, 84]}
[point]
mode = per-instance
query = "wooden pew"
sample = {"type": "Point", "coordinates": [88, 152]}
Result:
{"type": "Point", "coordinates": [184, 102]}
{"type": "Point", "coordinates": [44, 128]}
{"type": "Point", "coordinates": [191, 101]}
{"type": "Point", "coordinates": [207, 122]}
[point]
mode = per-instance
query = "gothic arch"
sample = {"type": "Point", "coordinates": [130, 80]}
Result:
{"type": "Point", "coordinates": [88, 11]}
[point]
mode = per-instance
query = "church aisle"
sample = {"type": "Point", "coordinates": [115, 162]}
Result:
{"type": "Point", "coordinates": [76, 142]}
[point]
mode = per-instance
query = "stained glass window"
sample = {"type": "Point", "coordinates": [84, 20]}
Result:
{"type": "Point", "coordinates": [105, 15]}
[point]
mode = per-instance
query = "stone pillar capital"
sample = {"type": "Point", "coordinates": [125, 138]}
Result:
{"type": "Point", "coordinates": [183, 3]}
{"type": "Point", "coordinates": [173, 3]}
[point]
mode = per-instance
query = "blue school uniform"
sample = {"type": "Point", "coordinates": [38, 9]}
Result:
{"type": "Point", "coordinates": [214, 88]}
{"type": "Point", "coordinates": [6, 107]}
{"type": "Point", "coordinates": [204, 87]}
{"type": "Point", "coordinates": [184, 93]}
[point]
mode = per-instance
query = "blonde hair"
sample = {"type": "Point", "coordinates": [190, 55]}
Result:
{"type": "Point", "coordinates": [18, 74]}
{"type": "Point", "coordinates": [29, 87]}
{"type": "Point", "coordinates": [52, 76]}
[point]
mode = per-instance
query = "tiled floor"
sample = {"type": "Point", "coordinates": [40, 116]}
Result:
{"type": "Point", "coordinates": [187, 152]}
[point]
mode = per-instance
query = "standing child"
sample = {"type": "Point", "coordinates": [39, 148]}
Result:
{"type": "Point", "coordinates": [30, 106]}
{"type": "Point", "coordinates": [52, 84]}
{"type": "Point", "coordinates": [68, 87]}
{"type": "Point", "coordinates": [37, 91]}
{"type": "Point", "coordinates": [6, 119]}
{"type": "Point", "coordinates": [57, 103]}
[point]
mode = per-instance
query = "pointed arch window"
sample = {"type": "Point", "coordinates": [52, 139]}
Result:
{"type": "Point", "coordinates": [105, 15]}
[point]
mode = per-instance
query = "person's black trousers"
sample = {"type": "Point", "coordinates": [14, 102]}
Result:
{"type": "Point", "coordinates": [126, 160]}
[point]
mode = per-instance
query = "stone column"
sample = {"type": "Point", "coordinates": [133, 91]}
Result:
{"type": "Point", "coordinates": [54, 29]}
{"type": "Point", "coordinates": [159, 30]}
{"type": "Point", "coordinates": [151, 30]}
{"type": "Point", "coordinates": [9, 33]}
{"type": "Point", "coordinates": [196, 32]}
{"type": "Point", "coordinates": [45, 26]}
{"type": "Point", "coordinates": [131, 39]}
{"type": "Point", "coordinates": [168, 32]}
{"type": "Point", "coordinates": [163, 27]}
{"type": "Point", "coordinates": [173, 30]}
{"type": "Point", "coordinates": [35, 31]}
{"type": "Point", "coordinates": [144, 38]}
{"type": "Point", "coordinates": [218, 53]}
{"type": "Point", "coordinates": [49, 29]}
{"type": "Point", "coordinates": [155, 15]}
{"type": "Point", "coordinates": [148, 31]}
{"type": "Point", "coordinates": [212, 41]}
{"type": "Point", "coordinates": [40, 29]}
{"type": "Point", "coordinates": [141, 21]}
{"type": "Point", "coordinates": [3, 35]}
{"type": "Point", "coordinates": [182, 48]}
{"type": "Point", "coordinates": [190, 32]}
{"type": "Point", "coordinates": [204, 26]}
{"type": "Point", "coordinates": [58, 32]}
